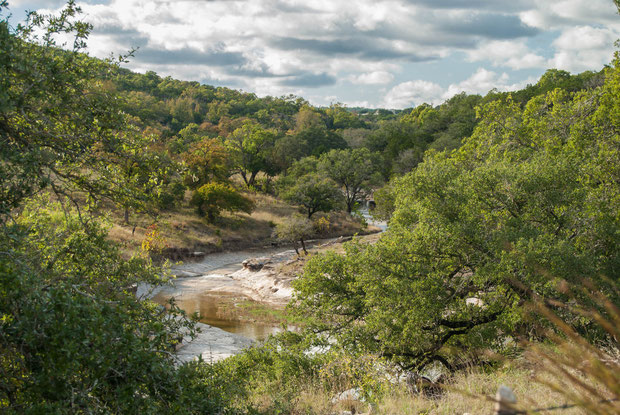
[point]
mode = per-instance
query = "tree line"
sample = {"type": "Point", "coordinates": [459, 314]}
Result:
{"type": "Point", "coordinates": [197, 137]}
{"type": "Point", "coordinates": [492, 201]}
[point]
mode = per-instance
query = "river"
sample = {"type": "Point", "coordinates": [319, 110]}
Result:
{"type": "Point", "coordinates": [207, 290]}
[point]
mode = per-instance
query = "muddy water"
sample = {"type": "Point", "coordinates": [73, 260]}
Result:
{"type": "Point", "coordinates": [216, 299]}
{"type": "Point", "coordinates": [226, 311]}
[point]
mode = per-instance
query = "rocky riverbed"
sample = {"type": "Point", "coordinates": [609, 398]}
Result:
{"type": "Point", "coordinates": [224, 280]}
{"type": "Point", "coordinates": [218, 282]}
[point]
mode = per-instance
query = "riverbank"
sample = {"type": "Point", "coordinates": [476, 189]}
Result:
{"type": "Point", "coordinates": [223, 289]}
{"type": "Point", "coordinates": [184, 235]}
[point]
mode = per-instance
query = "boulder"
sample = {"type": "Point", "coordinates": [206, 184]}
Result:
{"type": "Point", "coordinates": [255, 264]}
{"type": "Point", "coordinates": [354, 394]}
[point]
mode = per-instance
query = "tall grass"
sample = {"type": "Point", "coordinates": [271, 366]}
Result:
{"type": "Point", "coordinates": [584, 373]}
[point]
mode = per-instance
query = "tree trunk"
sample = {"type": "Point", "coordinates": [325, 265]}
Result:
{"type": "Point", "coordinates": [252, 179]}
{"type": "Point", "coordinates": [126, 215]}
{"type": "Point", "coordinates": [303, 245]}
{"type": "Point", "coordinates": [310, 213]}
{"type": "Point", "coordinates": [350, 199]}
{"type": "Point", "coordinates": [267, 188]}
{"type": "Point", "coordinates": [295, 246]}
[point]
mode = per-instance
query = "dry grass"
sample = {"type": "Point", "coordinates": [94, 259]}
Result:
{"type": "Point", "coordinates": [469, 392]}
{"type": "Point", "coordinates": [184, 230]}
{"type": "Point", "coordinates": [466, 393]}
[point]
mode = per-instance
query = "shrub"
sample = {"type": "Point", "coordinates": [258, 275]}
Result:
{"type": "Point", "coordinates": [322, 225]}
{"type": "Point", "coordinates": [293, 229]}
{"type": "Point", "coordinates": [212, 198]}
{"type": "Point", "coordinates": [170, 195]}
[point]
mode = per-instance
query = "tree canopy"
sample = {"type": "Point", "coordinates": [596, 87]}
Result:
{"type": "Point", "coordinates": [353, 170]}
{"type": "Point", "coordinates": [315, 193]}
{"type": "Point", "coordinates": [249, 147]}
{"type": "Point", "coordinates": [73, 335]}
{"type": "Point", "coordinates": [530, 199]}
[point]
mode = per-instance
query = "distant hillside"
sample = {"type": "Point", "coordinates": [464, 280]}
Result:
{"type": "Point", "coordinates": [166, 107]}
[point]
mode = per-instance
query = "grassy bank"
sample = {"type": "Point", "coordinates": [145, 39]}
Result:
{"type": "Point", "coordinates": [281, 382]}
{"type": "Point", "coordinates": [184, 231]}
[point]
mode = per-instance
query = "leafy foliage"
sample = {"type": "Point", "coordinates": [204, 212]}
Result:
{"type": "Point", "coordinates": [58, 114]}
{"type": "Point", "coordinates": [353, 170]}
{"type": "Point", "coordinates": [249, 147]}
{"type": "Point", "coordinates": [74, 339]}
{"type": "Point", "coordinates": [207, 160]}
{"type": "Point", "coordinates": [73, 336]}
{"type": "Point", "coordinates": [314, 193]}
{"type": "Point", "coordinates": [532, 197]}
{"type": "Point", "coordinates": [211, 198]}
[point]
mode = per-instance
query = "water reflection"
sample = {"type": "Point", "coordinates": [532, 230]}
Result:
{"type": "Point", "coordinates": [226, 311]}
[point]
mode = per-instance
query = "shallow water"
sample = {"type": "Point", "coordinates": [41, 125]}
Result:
{"type": "Point", "coordinates": [225, 311]}
{"type": "Point", "coordinates": [207, 291]}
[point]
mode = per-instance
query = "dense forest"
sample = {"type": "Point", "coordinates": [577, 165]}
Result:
{"type": "Point", "coordinates": [496, 204]}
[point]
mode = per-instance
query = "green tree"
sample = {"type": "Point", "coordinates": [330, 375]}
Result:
{"type": "Point", "coordinates": [530, 199]}
{"type": "Point", "coordinates": [60, 124]}
{"type": "Point", "coordinates": [354, 170]}
{"type": "Point", "coordinates": [317, 140]}
{"type": "Point", "coordinates": [315, 193]}
{"type": "Point", "coordinates": [187, 137]}
{"type": "Point", "coordinates": [250, 146]}
{"type": "Point", "coordinates": [307, 118]}
{"type": "Point", "coordinates": [384, 202]}
{"type": "Point", "coordinates": [73, 335]}
{"type": "Point", "coordinates": [74, 338]}
{"type": "Point", "coordinates": [151, 173]}
{"type": "Point", "coordinates": [211, 198]}
{"type": "Point", "coordinates": [287, 150]}
{"type": "Point", "coordinates": [207, 160]}
{"type": "Point", "coordinates": [341, 118]}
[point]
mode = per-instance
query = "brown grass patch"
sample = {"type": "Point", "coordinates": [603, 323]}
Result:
{"type": "Point", "coordinates": [185, 231]}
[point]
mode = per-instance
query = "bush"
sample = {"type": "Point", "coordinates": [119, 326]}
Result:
{"type": "Point", "coordinates": [170, 195]}
{"type": "Point", "coordinates": [293, 229]}
{"type": "Point", "coordinates": [212, 198]}
{"type": "Point", "coordinates": [74, 337]}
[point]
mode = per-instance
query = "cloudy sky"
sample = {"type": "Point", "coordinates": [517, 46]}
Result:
{"type": "Point", "coordinates": [373, 53]}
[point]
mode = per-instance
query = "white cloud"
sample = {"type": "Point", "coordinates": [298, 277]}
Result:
{"type": "Point", "coordinates": [564, 13]}
{"type": "Point", "coordinates": [295, 46]}
{"type": "Point", "coordinates": [413, 93]}
{"type": "Point", "coordinates": [357, 104]}
{"type": "Point", "coordinates": [324, 36]}
{"type": "Point", "coordinates": [373, 78]}
{"type": "Point", "coordinates": [583, 48]}
{"type": "Point", "coordinates": [508, 53]}
{"type": "Point", "coordinates": [482, 81]}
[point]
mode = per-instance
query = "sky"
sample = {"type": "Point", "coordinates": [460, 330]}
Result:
{"type": "Point", "coordinates": [370, 53]}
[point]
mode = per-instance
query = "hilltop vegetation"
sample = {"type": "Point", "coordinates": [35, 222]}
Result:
{"type": "Point", "coordinates": [192, 135]}
{"type": "Point", "coordinates": [495, 203]}
{"type": "Point", "coordinates": [198, 135]}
